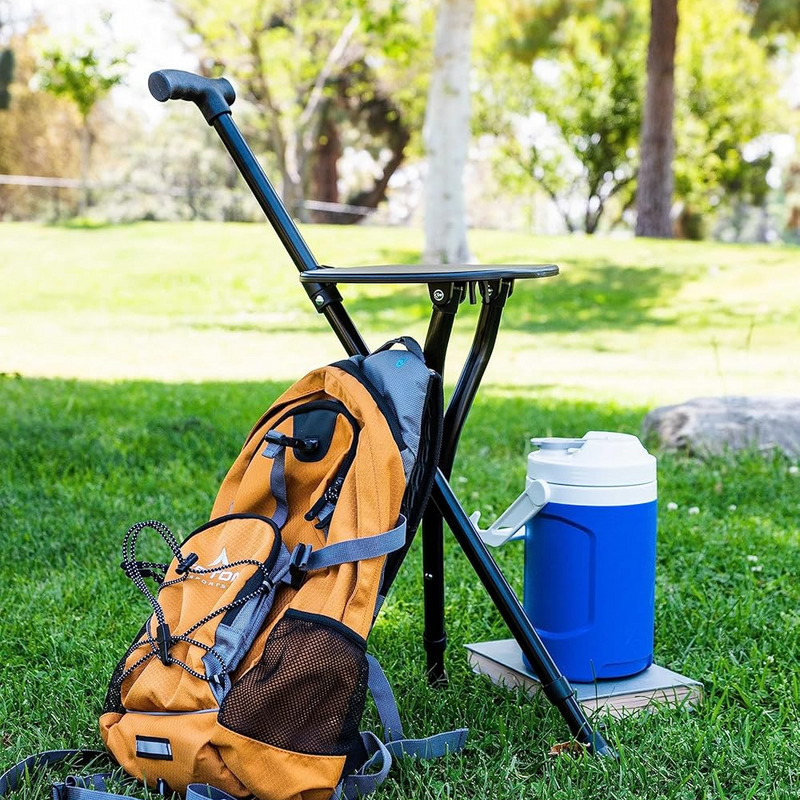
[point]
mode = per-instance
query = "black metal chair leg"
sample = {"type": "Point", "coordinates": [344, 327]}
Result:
{"type": "Point", "coordinates": [555, 686]}
{"type": "Point", "coordinates": [494, 294]}
{"type": "Point", "coordinates": [445, 306]}
{"type": "Point", "coordinates": [434, 637]}
{"type": "Point", "coordinates": [446, 300]}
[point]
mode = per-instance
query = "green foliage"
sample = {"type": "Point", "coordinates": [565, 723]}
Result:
{"type": "Point", "coordinates": [725, 97]}
{"type": "Point", "coordinates": [82, 74]}
{"type": "Point", "coordinates": [304, 65]}
{"type": "Point", "coordinates": [587, 81]}
{"type": "Point", "coordinates": [535, 26]}
{"type": "Point", "coordinates": [773, 16]}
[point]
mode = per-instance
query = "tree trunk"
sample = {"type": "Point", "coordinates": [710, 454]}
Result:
{"type": "Point", "coordinates": [376, 194]}
{"type": "Point", "coordinates": [656, 181]}
{"type": "Point", "coordinates": [85, 198]}
{"type": "Point", "coordinates": [325, 175]}
{"type": "Point", "coordinates": [447, 134]}
{"type": "Point", "coordinates": [373, 112]}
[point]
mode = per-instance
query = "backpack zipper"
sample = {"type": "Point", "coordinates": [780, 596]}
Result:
{"type": "Point", "coordinates": [273, 554]}
{"type": "Point", "coordinates": [331, 493]}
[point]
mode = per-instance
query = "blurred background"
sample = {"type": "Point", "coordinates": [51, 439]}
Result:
{"type": "Point", "coordinates": [333, 97]}
{"type": "Point", "coordinates": [650, 149]}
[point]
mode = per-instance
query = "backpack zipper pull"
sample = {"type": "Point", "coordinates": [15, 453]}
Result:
{"type": "Point", "coordinates": [334, 490]}
{"type": "Point", "coordinates": [276, 440]}
{"type": "Point", "coordinates": [329, 496]}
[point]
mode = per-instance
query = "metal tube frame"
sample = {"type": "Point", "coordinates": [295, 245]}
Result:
{"type": "Point", "coordinates": [327, 300]}
{"type": "Point", "coordinates": [446, 300]}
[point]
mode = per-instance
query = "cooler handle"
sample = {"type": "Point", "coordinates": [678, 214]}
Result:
{"type": "Point", "coordinates": [535, 497]}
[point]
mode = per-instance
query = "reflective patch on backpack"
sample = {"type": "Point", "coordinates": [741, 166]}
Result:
{"type": "Point", "coordinates": [153, 747]}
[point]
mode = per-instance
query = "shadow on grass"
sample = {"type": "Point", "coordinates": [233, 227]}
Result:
{"type": "Point", "coordinates": [601, 295]}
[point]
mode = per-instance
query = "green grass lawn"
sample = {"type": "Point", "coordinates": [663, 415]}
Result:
{"type": "Point", "coordinates": [201, 326]}
{"type": "Point", "coordinates": [631, 320]}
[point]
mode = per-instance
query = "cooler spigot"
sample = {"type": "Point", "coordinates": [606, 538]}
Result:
{"type": "Point", "coordinates": [535, 497]}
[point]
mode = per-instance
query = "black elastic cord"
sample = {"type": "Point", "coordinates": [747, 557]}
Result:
{"type": "Point", "coordinates": [137, 570]}
{"type": "Point", "coordinates": [134, 569]}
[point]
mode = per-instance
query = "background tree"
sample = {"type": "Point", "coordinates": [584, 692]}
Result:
{"type": "Point", "coordinates": [6, 77]}
{"type": "Point", "coordinates": [573, 99]}
{"type": "Point", "coordinates": [773, 19]}
{"type": "Point", "coordinates": [571, 123]}
{"type": "Point", "coordinates": [655, 180]}
{"type": "Point", "coordinates": [319, 76]}
{"type": "Point", "coordinates": [6, 64]}
{"type": "Point", "coordinates": [726, 103]}
{"type": "Point", "coordinates": [84, 75]}
{"type": "Point", "coordinates": [38, 135]}
{"type": "Point", "coordinates": [447, 135]}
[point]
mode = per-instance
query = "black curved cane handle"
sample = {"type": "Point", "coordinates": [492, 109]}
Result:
{"type": "Point", "coordinates": [213, 96]}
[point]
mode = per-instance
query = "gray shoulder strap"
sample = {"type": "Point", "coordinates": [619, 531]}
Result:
{"type": "Point", "coordinates": [359, 549]}
{"type": "Point", "coordinates": [11, 778]}
{"type": "Point", "coordinates": [373, 773]}
{"type": "Point", "coordinates": [397, 744]}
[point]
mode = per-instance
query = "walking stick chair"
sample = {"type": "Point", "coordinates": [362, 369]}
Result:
{"type": "Point", "coordinates": [447, 286]}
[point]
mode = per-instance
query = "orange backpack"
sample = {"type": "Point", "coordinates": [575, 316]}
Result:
{"type": "Point", "coordinates": [251, 673]}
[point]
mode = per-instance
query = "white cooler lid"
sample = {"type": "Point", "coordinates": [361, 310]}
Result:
{"type": "Point", "coordinates": [600, 458]}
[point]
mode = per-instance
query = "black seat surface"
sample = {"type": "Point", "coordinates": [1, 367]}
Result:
{"type": "Point", "coordinates": [427, 273]}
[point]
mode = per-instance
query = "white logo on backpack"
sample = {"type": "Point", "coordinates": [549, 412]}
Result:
{"type": "Point", "coordinates": [220, 579]}
{"type": "Point", "coordinates": [221, 559]}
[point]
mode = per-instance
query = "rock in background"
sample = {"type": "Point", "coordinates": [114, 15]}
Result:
{"type": "Point", "coordinates": [714, 425]}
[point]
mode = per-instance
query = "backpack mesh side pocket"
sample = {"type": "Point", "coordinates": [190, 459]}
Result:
{"type": "Point", "coordinates": [307, 692]}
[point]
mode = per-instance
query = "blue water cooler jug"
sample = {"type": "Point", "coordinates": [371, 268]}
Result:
{"type": "Point", "coordinates": [589, 517]}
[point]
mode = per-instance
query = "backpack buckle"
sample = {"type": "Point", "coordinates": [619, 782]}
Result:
{"type": "Point", "coordinates": [185, 564]}
{"type": "Point", "coordinates": [164, 642]}
{"type": "Point", "coordinates": [298, 564]}
{"type": "Point", "coordinates": [276, 440]}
